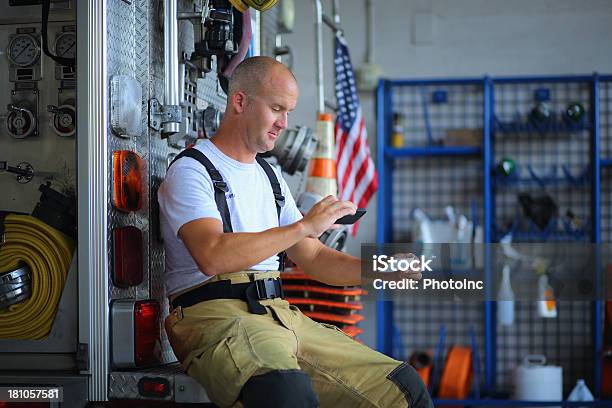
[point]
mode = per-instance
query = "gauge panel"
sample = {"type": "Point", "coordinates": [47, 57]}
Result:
{"type": "Point", "coordinates": [23, 50]}
{"type": "Point", "coordinates": [65, 45]}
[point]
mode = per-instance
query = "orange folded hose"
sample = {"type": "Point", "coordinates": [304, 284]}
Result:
{"type": "Point", "coordinates": [352, 331]}
{"type": "Point", "coordinates": [456, 378]}
{"type": "Point", "coordinates": [330, 317]}
{"type": "Point", "coordinates": [322, 302]}
{"type": "Point", "coordinates": [318, 289]}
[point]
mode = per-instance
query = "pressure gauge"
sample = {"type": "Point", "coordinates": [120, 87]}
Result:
{"type": "Point", "coordinates": [23, 50]}
{"type": "Point", "coordinates": [65, 45]}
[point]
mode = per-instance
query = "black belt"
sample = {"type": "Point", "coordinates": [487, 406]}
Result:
{"type": "Point", "coordinates": [251, 292]}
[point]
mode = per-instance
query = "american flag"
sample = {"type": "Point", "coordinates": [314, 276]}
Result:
{"type": "Point", "coordinates": [357, 179]}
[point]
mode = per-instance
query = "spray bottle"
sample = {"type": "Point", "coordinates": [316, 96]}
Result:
{"type": "Point", "coordinates": [505, 299]}
{"type": "Point", "coordinates": [547, 306]}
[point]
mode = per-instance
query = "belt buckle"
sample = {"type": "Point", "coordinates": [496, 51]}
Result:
{"type": "Point", "coordinates": [266, 288]}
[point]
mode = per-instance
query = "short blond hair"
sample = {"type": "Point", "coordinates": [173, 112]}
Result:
{"type": "Point", "coordinates": [251, 73]}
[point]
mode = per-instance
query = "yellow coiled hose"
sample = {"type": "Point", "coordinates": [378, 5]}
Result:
{"type": "Point", "coordinates": [48, 253]}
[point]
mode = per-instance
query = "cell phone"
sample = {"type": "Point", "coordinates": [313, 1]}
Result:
{"type": "Point", "coordinates": [351, 218]}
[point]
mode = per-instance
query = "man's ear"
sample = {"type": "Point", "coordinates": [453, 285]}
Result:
{"type": "Point", "coordinates": [238, 101]}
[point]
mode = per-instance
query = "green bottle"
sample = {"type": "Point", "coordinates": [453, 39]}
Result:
{"type": "Point", "coordinates": [540, 113]}
{"type": "Point", "coordinates": [574, 112]}
{"type": "Point", "coordinates": [506, 167]}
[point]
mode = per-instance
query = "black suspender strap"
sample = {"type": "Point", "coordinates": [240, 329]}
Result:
{"type": "Point", "coordinates": [220, 186]}
{"type": "Point", "coordinates": [279, 199]}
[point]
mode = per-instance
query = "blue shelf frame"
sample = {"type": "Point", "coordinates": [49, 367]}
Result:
{"type": "Point", "coordinates": [385, 157]}
{"type": "Point", "coordinates": [432, 151]}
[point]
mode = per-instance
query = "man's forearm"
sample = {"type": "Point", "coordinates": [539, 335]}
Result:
{"type": "Point", "coordinates": [237, 251]}
{"type": "Point", "coordinates": [334, 268]}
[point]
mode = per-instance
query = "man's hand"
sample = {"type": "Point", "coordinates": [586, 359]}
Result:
{"type": "Point", "coordinates": [323, 215]}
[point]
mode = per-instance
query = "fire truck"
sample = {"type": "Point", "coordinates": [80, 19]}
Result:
{"type": "Point", "coordinates": [100, 96]}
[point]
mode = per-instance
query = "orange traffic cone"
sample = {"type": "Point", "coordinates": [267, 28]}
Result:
{"type": "Point", "coordinates": [322, 177]}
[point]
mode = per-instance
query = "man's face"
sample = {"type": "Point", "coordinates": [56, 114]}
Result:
{"type": "Point", "coordinates": [268, 109]}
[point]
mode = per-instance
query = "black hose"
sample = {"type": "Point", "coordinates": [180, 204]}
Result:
{"type": "Point", "coordinates": [70, 62]}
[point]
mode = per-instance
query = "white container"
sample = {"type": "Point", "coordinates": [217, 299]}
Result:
{"type": "Point", "coordinates": [536, 381]}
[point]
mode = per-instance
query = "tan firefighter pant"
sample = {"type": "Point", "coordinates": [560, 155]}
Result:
{"type": "Point", "coordinates": [221, 344]}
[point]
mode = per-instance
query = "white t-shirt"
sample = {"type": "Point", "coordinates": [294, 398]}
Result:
{"type": "Point", "coordinates": [187, 194]}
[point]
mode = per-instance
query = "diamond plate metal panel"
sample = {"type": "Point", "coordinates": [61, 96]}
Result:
{"type": "Point", "coordinates": [135, 48]}
{"type": "Point", "coordinates": [121, 38]}
{"type": "Point", "coordinates": [157, 163]}
{"type": "Point", "coordinates": [126, 39]}
{"type": "Point", "coordinates": [209, 91]}
{"type": "Point", "coordinates": [124, 385]}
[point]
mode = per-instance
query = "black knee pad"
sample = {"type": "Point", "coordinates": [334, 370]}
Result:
{"type": "Point", "coordinates": [279, 389]}
{"type": "Point", "coordinates": [408, 380]}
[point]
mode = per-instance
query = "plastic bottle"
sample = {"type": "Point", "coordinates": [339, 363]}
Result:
{"type": "Point", "coordinates": [547, 307]}
{"type": "Point", "coordinates": [506, 167]}
{"type": "Point", "coordinates": [422, 227]}
{"type": "Point", "coordinates": [580, 392]}
{"type": "Point", "coordinates": [397, 138]}
{"type": "Point", "coordinates": [505, 299]}
{"type": "Point", "coordinates": [574, 112]}
{"type": "Point", "coordinates": [460, 249]}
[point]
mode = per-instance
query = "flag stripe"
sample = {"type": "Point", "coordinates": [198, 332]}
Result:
{"type": "Point", "coordinates": [362, 203]}
{"type": "Point", "coordinates": [350, 169]}
{"type": "Point", "coordinates": [358, 157]}
{"type": "Point", "coordinates": [350, 139]}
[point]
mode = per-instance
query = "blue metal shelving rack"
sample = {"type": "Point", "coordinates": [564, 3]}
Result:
{"type": "Point", "coordinates": [494, 95]}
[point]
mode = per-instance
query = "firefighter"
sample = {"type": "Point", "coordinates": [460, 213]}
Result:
{"type": "Point", "coordinates": [225, 215]}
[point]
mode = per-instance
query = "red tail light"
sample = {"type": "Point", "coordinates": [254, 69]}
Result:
{"type": "Point", "coordinates": [127, 256]}
{"type": "Point", "coordinates": [153, 387]}
{"type": "Point", "coordinates": [146, 331]}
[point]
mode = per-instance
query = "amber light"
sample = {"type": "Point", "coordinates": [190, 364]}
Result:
{"type": "Point", "coordinates": [127, 180]}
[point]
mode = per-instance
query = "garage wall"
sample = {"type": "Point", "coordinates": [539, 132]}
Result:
{"type": "Point", "coordinates": [464, 38]}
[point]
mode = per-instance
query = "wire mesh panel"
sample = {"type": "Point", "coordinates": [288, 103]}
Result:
{"type": "Point", "coordinates": [422, 325]}
{"type": "Point", "coordinates": [605, 134]}
{"type": "Point", "coordinates": [542, 183]}
{"type": "Point", "coordinates": [438, 115]}
{"type": "Point", "coordinates": [605, 119]}
{"type": "Point", "coordinates": [542, 178]}
{"type": "Point", "coordinates": [433, 184]}
{"type": "Point", "coordinates": [571, 347]}
{"type": "Point", "coordinates": [606, 206]}
{"type": "Point", "coordinates": [436, 142]}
